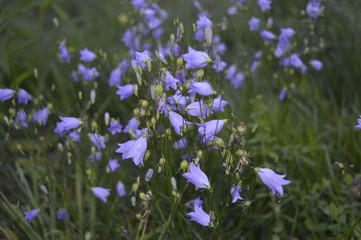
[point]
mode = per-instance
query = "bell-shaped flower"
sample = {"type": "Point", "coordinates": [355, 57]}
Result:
{"type": "Point", "coordinates": [134, 149]}
{"type": "Point", "coordinates": [30, 215]}
{"type": "Point", "coordinates": [115, 127]}
{"type": "Point", "coordinates": [63, 52]}
{"type": "Point", "coordinates": [313, 8]}
{"type": "Point", "coordinates": [41, 116]}
{"type": "Point", "coordinates": [358, 126]}
{"type": "Point", "coordinates": [210, 128]}
{"type": "Point", "coordinates": [218, 104]}
{"type": "Point", "coordinates": [283, 94]}
{"type": "Point", "coordinates": [86, 55]}
{"type": "Point", "coordinates": [198, 109]}
{"type": "Point", "coordinates": [264, 5]}
{"type": "Point", "coordinates": [132, 124]}
{"type": "Point", "coordinates": [21, 120]}
{"type": "Point", "coordinates": [178, 101]}
{"type": "Point", "coordinates": [200, 216]}
{"type": "Point", "coordinates": [143, 58]}
{"type": "Point", "coordinates": [196, 59]}
{"type": "Point", "coordinates": [267, 35]}
{"type": "Point", "coordinates": [178, 122]}
{"type": "Point", "coordinates": [101, 193]}
{"type": "Point", "coordinates": [23, 96]}
{"type": "Point", "coordinates": [112, 166]}
{"type": "Point", "coordinates": [316, 64]}
{"type": "Point", "coordinates": [121, 189]}
{"type": "Point", "coordinates": [235, 192]}
{"type": "Point", "coordinates": [98, 140]}
{"type": "Point", "coordinates": [272, 180]}
{"type": "Point", "coordinates": [66, 124]}
{"type": "Point", "coordinates": [254, 24]}
{"type": "Point", "coordinates": [6, 94]}
{"type": "Point", "coordinates": [115, 77]}
{"type": "Point", "coordinates": [169, 81]}
{"type": "Point", "coordinates": [197, 177]}
{"type": "Point", "coordinates": [61, 214]}
{"type": "Point", "coordinates": [125, 91]}
{"type": "Point", "coordinates": [202, 88]}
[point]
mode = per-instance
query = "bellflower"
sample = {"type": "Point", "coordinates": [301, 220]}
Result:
{"type": "Point", "coordinates": [198, 201]}
{"type": "Point", "coordinates": [218, 104]}
{"type": "Point", "coordinates": [283, 41]}
{"type": "Point", "coordinates": [316, 64]}
{"type": "Point", "coordinates": [30, 215]}
{"type": "Point", "coordinates": [178, 100]}
{"type": "Point", "coordinates": [283, 94]}
{"type": "Point", "coordinates": [125, 91]}
{"type": "Point", "coordinates": [169, 81]}
{"type": "Point", "coordinates": [113, 165]}
{"type": "Point", "coordinates": [197, 177]}
{"type": "Point", "coordinates": [149, 174]}
{"type": "Point", "coordinates": [142, 59]}
{"type": "Point", "coordinates": [219, 65]}
{"type": "Point", "coordinates": [97, 140]}
{"type": "Point", "coordinates": [115, 127]}
{"type": "Point", "coordinates": [96, 157]}
{"type": "Point", "coordinates": [132, 124]}
{"type": "Point", "coordinates": [181, 143]}
{"type": "Point", "coordinates": [61, 214]}
{"type": "Point", "coordinates": [63, 52]}
{"type": "Point", "coordinates": [133, 149]}
{"type": "Point", "coordinates": [177, 122]}
{"type": "Point", "coordinates": [86, 55]}
{"type": "Point", "coordinates": [267, 36]}
{"type": "Point", "coordinates": [210, 128]}
{"type": "Point", "coordinates": [66, 124]}
{"type": "Point", "coordinates": [202, 88]}
{"type": "Point", "coordinates": [115, 77]}
{"type": "Point", "coordinates": [231, 72]}
{"type": "Point", "coordinates": [200, 216]}
{"type": "Point", "coordinates": [6, 94]}
{"type": "Point", "coordinates": [74, 135]}
{"type": "Point", "coordinates": [121, 189]}
{"type": "Point", "coordinates": [202, 23]}
{"type": "Point", "coordinates": [313, 8]}
{"type": "Point", "coordinates": [88, 74]}
{"type": "Point", "coordinates": [196, 59]}
{"type": "Point", "coordinates": [235, 192]}
{"type": "Point", "coordinates": [272, 180]}
{"type": "Point", "coordinates": [198, 109]}
{"type": "Point", "coordinates": [233, 10]}
{"type": "Point", "coordinates": [358, 126]}
{"type": "Point", "coordinates": [101, 193]}
{"type": "Point", "coordinates": [295, 61]}
{"type": "Point", "coordinates": [264, 5]}
{"type": "Point", "coordinates": [41, 116]}
{"type": "Point", "coordinates": [21, 120]}
{"type": "Point", "coordinates": [23, 96]}
{"type": "Point", "coordinates": [254, 24]}
{"type": "Point", "coordinates": [237, 80]}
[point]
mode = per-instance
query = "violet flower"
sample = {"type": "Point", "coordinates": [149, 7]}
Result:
{"type": "Point", "coordinates": [316, 64]}
{"type": "Point", "coordinates": [235, 192]}
{"type": "Point", "coordinates": [6, 94]}
{"type": "Point", "coordinates": [177, 122]}
{"type": "Point", "coordinates": [169, 81]}
{"type": "Point", "coordinates": [272, 180]}
{"type": "Point", "coordinates": [30, 215]}
{"type": "Point", "coordinates": [101, 193]}
{"type": "Point", "coordinates": [115, 77]}
{"type": "Point", "coordinates": [23, 96]}
{"type": "Point", "coordinates": [218, 104]}
{"type": "Point", "coordinates": [200, 216]}
{"type": "Point", "coordinates": [267, 36]}
{"type": "Point", "coordinates": [61, 214]}
{"type": "Point", "coordinates": [254, 24]}
{"type": "Point", "coordinates": [97, 140]}
{"type": "Point", "coordinates": [142, 59]}
{"type": "Point", "coordinates": [115, 127]}
{"type": "Point", "coordinates": [358, 126]}
{"type": "Point", "coordinates": [196, 59]}
{"type": "Point", "coordinates": [41, 116]}
{"type": "Point", "coordinates": [66, 124]}
{"type": "Point", "coordinates": [21, 120]}
{"type": "Point", "coordinates": [313, 8]}
{"type": "Point", "coordinates": [198, 109]}
{"type": "Point", "coordinates": [283, 94]}
{"type": "Point", "coordinates": [63, 52]}
{"type": "Point", "coordinates": [125, 91]}
{"type": "Point", "coordinates": [210, 128]}
{"type": "Point", "coordinates": [202, 88]}
{"type": "Point", "coordinates": [86, 55]}
{"type": "Point", "coordinates": [121, 189]}
{"type": "Point", "coordinates": [264, 5]}
{"type": "Point", "coordinates": [132, 124]}
{"type": "Point", "coordinates": [113, 165]}
{"type": "Point", "coordinates": [197, 177]}
{"type": "Point", "coordinates": [134, 149]}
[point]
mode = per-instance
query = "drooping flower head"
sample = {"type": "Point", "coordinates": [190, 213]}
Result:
{"type": "Point", "coordinates": [210, 129]}
{"type": "Point", "coordinates": [61, 214]}
{"type": "Point", "coordinates": [6, 94]}
{"type": "Point", "coordinates": [178, 122]}
{"type": "Point", "coordinates": [23, 96]}
{"type": "Point", "coordinates": [41, 116]}
{"type": "Point", "coordinates": [21, 119]}
{"type": "Point", "coordinates": [235, 192]}
{"type": "Point", "coordinates": [200, 216]}
{"type": "Point", "coordinates": [143, 58]}
{"type": "Point", "coordinates": [313, 8]}
{"type": "Point", "coordinates": [97, 140]}
{"type": "Point", "coordinates": [121, 189]}
{"type": "Point", "coordinates": [86, 55]}
{"type": "Point", "coordinates": [254, 24]}
{"type": "Point", "coordinates": [125, 91]}
{"type": "Point", "coordinates": [264, 5]}
{"type": "Point", "coordinates": [272, 180]}
{"type": "Point", "coordinates": [115, 127]}
{"type": "Point", "coordinates": [316, 64]}
{"type": "Point", "coordinates": [196, 176]}
{"type": "Point", "coordinates": [134, 149]}
{"type": "Point", "coordinates": [30, 215]}
{"type": "Point", "coordinates": [268, 36]}
{"type": "Point", "coordinates": [66, 124]}
{"type": "Point", "coordinates": [196, 59]}
{"type": "Point", "coordinates": [63, 52]}
{"type": "Point", "coordinates": [202, 88]}
{"type": "Point", "coordinates": [101, 193]}
{"type": "Point", "coordinates": [113, 165]}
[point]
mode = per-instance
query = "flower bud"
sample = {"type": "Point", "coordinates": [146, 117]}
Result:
{"type": "Point", "coordinates": [184, 165]}
{"type": "Point", "coordinates": [162, 161]}
{"type": "Point", "coordinates": [133, 201]}
{"type": "Point", "coordinates": [135, 187]}
{"type": "Point", "coordinates": [142, 196]}
{"type": "Point", "coordinates": [92, 96]}
{"type": "Point", "coordinates": [106, 119]}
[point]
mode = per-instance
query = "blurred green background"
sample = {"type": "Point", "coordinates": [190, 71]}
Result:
{"type": "Point", "coordinates": [310, 136]}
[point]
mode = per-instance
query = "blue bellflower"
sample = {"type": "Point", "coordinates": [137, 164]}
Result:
{"type": "Point", "coordinates": [196, 59]}
{"type": "Point", "coordinates": [132, 124]}
{"type": "Point", "coordinates": [41, 116]}
{"type": "Point", "coordinates": [267, 36]}
{"type": "Point", "coordinates": [264, 5]}
{"type": "Point", "coordinates": [23, 96]}
{"type": "Point", "coordinates": [6, 94]}
{"type": "Point", "coordinates": [202, 88]}
{"type": "Point", "coordinates": [316, 64]}
{"type": "Point", "coordinates": [113, 165]}
{"type": "Point", "coordinates": [101, 193]}
{"type": "Point", "coordinates": [210, 128]}
{"type": "Point", "coordinates": [86, 55]}
{"type": "Point", "coordinates": [66, 124]}
{"type": "Point", "coordinates": [200, 216]}
{"type": "Point", "coordinates": [134, 149]}
{"type": "Point", "coordinates": [272, 180]}
{"type": "Point", "coordinates": [121, 189]}
{"type": "Point", "coordinates": [63, 52]}
{"type": "Point", "coordinates": [61, 214]}
{"type": "Point", "coordinates": [169, 81]}
{"type": "Point", "coordinates": [254, 24]}
{"type": "Point", "coordinates": [125, 91]}
{"type": "Point", "coordinates": [21, 120]}
{"type": "Point", "coordinates": [197, 177]}
{"type": "Point", "coordinates": [97, 140]}
{"type": "Point", "coordinates": [178, 122]}
{"type": "Point", "coordinates": [358, 126]}
{"type": "Point", "coordinates": [235, 192]}
{"type": "Point", "coordinates": [218, 104]}
{"type": "Point", "coordinates": [115, 127]}
{"type": "Point", "coordinates": [142, 59]}
{"type": "Point", "coordinates": [30, 215]}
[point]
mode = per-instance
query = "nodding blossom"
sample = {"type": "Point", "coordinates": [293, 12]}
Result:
{"type": "Point", "coordinates": [178, 122]}
{"type": "Point", "coordinates": [283, 94]}
{"type": "Point", "coordinates": [41, 116]}
{"type": "Point", "coordinates": [316, 64]}
{"type": "Point", "coordinates": [86, 55]}
{"type": "Point", "coordinates": [115, 127]}
{"type": "Point", "coordinates": [121, 189]}
{"type": "Point", "coordinates": [218, 104]}
{"type": "Point", "coordinates": [254, 24]}
{"type": "Point", "coordinates": [313, 8]}
{"type": "Point", "coordinates": [200, 216]}
{"type": "Point", "coordinates": [197, 177]}
{"type": "Point", "coordinates": [202, 88]}
{"type": "Point", "coordinates": [6, 94]}
{"type": "Point", "coordinates": [101, 193]}
{"type": "Point", "coordinates": [169, 81]}
{"type": "Point", "coordinates": [235, 192]}
{"type": "Point", "coordinates": [30, 215]}
{"type": "Point", "coordinates": [272, 180]}
{"type": "Point", "coordinates": [143, 58]}
{"type": "Point", "coordinates": [63, 52]}
{"type": "Point", "coordinates": [264, 5]}
{"type": "Point", "coordinates": [267, 36]}
{"type": "Point", "coordinates": [358, 126]}
{"type": "Point", "coordinates": [132, 124]}
{"type": "Point", "coordinates": [61, 214]}
{"type": "Point", "coordinates": [113, 165]}
{"type": "Point", "coordinates": [98, 140]}
{"type": "Point", "coordinates": [210, 128]}
{"type": "Point", "coordinates": [196, 59]}
{"type": "Point", "coordinates": [134, 149]}
{"type": "Point", "coordinates": [202, 23]}
{"type": "Point", "coordinates": [21, 120]}
{"type": "Point", "coordinates": [198, 109]}
{"type": "Point", "coordinates": [23, 96]}
{"type": "Point", "coordinates": [66, 124]}
{"type": "Point", "coordinates": [125, 91]}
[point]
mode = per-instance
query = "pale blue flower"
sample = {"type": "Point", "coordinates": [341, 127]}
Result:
{"type": "Point", "coordinates": [132, 124]}
{"type": "Point", "coordinates": [86, 55]}
{"type": "Point", "coordinates": [112, 166]}
{"type": "Point", "coordinates": [21, 120]}
{"type": "Point", "coordinates": [254, 24]}
{"type": "Point", "coordinates": [235, 192]}
{"type": "Point", "coordinates": [316, 64]}
{"type": "Point", "coordinates": [358, 126]}
{"type": "Point", "coordinates": [283, 94]}
{"type": "Point", "coordinates": [61, 214]}
{"type": "Point", "coordinates": [198, 109]}
{"type": "Point", "coordinates": [169, 81]}
{"type": "Point", "coordinates": [134, 149]}
{"type": "Point", "coordinates": [41, 116]}
{"type": "Point", "coordinates": [200, 216]}
{"type": "Point", "coordinates": [142, 59]}
{"type": "Point", "coordinates": [121, 189]}
{"type": "Point", "coordinates": [23, 96]}
{"type": "Point", "coordinates": [149, 174]}
{"type": "Point", "coordinates": [196, 176]}
{"type": "Point", "coordinates": [267, 36]}
{"type": "Point", "coordinates": [264, 5]}
{"type": "Point", "coordinates": [125, 91]}
{"type": "Point", "coordinates": [218, 104]}
{"type": "Point", "coordinates": [196, 59]}
{"type": "Point", "coordinates": [272, 180]}
{"type": "Point", "coordinates": [115, 127]}
{"type": "Point", "coordinates": [177, 122]}
{"type": "Point", "coordinates": [313, 8]}
{"type": "Point", "coordinates": [101, 193]}
{"type": "Point", "coordinates": [6, 94]}
{"type": "Point", "coordinates": [30, 215]}
{"type": "Point", "coordinates": [63, 52]}
{"type": "Point", "coordinates": [66, 124]}
{"type": "Point", "coordinates": [202, 88]}
{"type": "Point", "coordinates": [98, 140]}
{"type": "Point", "coordinates": [210, 128]}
